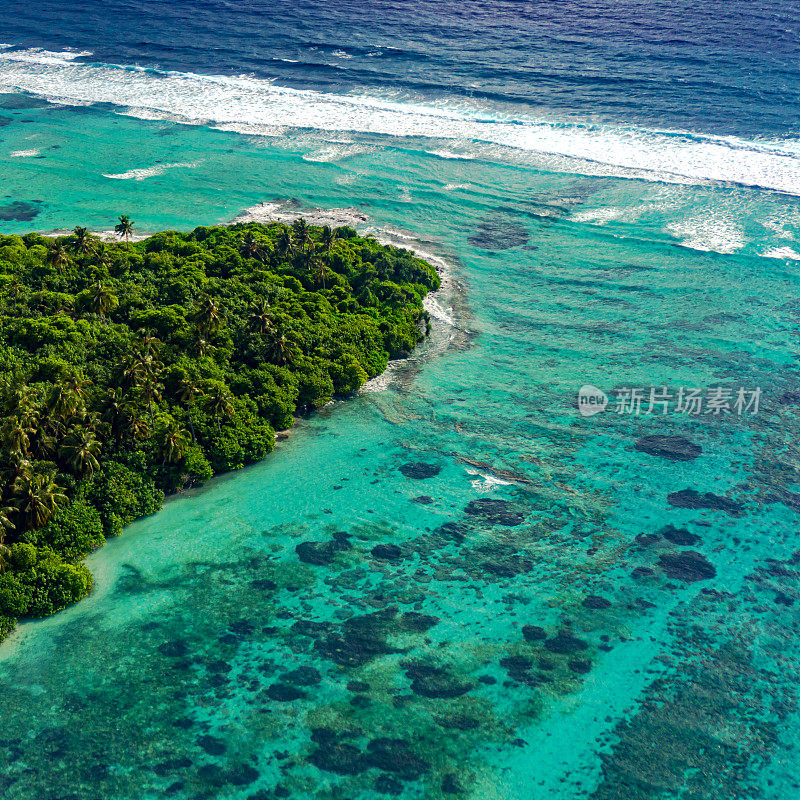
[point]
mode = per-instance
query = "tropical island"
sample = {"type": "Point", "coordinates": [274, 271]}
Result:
{"type": "Point", "coordinates": [133, 370]}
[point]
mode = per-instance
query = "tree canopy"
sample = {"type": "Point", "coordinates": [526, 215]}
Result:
{"type": "Point", "coordinates": [130, 371]}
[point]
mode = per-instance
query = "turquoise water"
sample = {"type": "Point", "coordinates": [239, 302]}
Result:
{"type": "Point", "coordinates": [461, 657]}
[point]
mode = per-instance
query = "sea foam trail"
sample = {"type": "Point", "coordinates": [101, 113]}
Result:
{"type": "Point", "coordinates": [252, 105]}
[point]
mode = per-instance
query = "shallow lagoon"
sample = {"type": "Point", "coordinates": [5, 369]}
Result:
{"type": "Point", "coordinates": [521, 622]}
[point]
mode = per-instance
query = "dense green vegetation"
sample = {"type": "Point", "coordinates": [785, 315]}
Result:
{"type": "Point", "coordinates": [130, 371]}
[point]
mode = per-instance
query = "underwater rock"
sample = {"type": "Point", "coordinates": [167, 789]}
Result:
{"type": "Point", "coordinates": [451, 784]}
{"type": "Point", "coordinates": [565, 643]}
{"type": "Point", "coordinates": [434, 682]}
{"type": "Point", "coordinates": [423, 499]}
{"type": "Point", "coordinates": [454, 531]}
{"type": "Point", "coordinates": [420, 470]}
{"type": "Point", "coordinates": [387, 552]}
{"type": "Point", "coordinates": [673, 448]}
{"type": "Point", "coordinates": [242, 775]}
{"type": "Point", "coordinates": [211, 745]}
{"type": "Point", "coordinates": [596, 602]}
{"type": "Point", "coordinates": [533, 633]}
{"type": "Point", "coordinates": [642, 572]}
{"type": "Point", "coordinates": [322, 553]}
{"type": "Point", "coordinates": [646, 539]}
{"type": "Point", "coordinates": [416, 622]}
{"type": "Point", "coordinates": [396, 756]}
{"type": "Point", "coordinates": [499, 235]}
{"type": "Point", "coordinates": [509, 568]}
{"type": "Point", "coordinates": [308, 627]}
{"type": "Point", "coordinates": [689, 498]}
{"type": "Point", "coordinates": [688, 566]}
{"type": "Point", "coordinates": [174, 649]}
{"type": "Point", "coordinates": [580, 666]}
{"type": "Point", "coordinates": [264, 584]}
{"type": "Point", "coordinates": [518, 668]}
{"type": "Point", "coordinates": [303, 676]}
{"type": "Point", "coordinates": [357, 686]}
{"type": "Point", "coordinates": [362, 639]}
{"type": "Point", "coordinates": [284, 693]}
{"type": "Point", "coordinates": [495, 511]}
{"type": "Point", "coordinates": [18, 212]}
{"type": "Point", "coordinates": [680, 536]}
{"type": "Point", "coordinates": [338, 757]}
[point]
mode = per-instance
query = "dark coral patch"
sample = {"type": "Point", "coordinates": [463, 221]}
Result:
{"type": "Point", "coordinates": [395, 756]}
{"type": "Point", "coordinates": [509, 567]}
{"type": "Point", "coordinates": [565, 643]}
{"type": "Point", "coordinates": [680, 536]}
{"type": "Point", "coordinates": [212, 745]}
{"type": "Point", "coordinates": [284, 693]}
{"type": "Point", "coordinates": [596, 602]}
{"type": "Point", "coordinates": [423, 499]}
{"type": "Point", "coordinates": [18, 212]}
{"type": "Point", "coordinates": [387, 552]}
{"type": "Point", "coordinates": [361, 639]}
{"type": "Point", "coordinates": [580, 666]}
{"type": "Point", "coordinates": [495, 511]}
{"type": "Point", "coordinates": [417, 622]}
{"type": "Point", "coordinates": [533, 633]}
{"type": "Point", "coordinates": [688, 566]}
{"type": "Point", "coordinates": [690, 498]}
{"type": "Point", "coordinates": [322, 553]}
{"type": "Point", "coordinates": [303, 676]}
{"type": "Point", "coordinates": [499, 235]}
{"type": "Point", "coordinates": [420, 470]}
{"type": "Point", "coordinates": [338, 757]}
{"type": "Point", "coordinates": [434, 682]}
{"type": "Point", "coordinates": [673, 448]}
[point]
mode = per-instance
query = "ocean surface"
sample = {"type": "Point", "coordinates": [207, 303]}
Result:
{"type": "Point", "coordinates": [575, 606]}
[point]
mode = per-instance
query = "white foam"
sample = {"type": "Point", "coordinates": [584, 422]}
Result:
{"type": "Point", "coordinates": [148, 172]}
{"type": "Point", "coordinates": [782, 252]}
{"type": "Point", "coordinates": [258, 104]}
{"type": "Point", "coordinates": [450, 154]}
{"type": "Point", "coordinates": [24, 153]}
{"type": "Point", "coordinates": [710, 232]}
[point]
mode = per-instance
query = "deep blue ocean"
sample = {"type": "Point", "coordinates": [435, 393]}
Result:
{"type": "Point", "coordinates": [584, 607]}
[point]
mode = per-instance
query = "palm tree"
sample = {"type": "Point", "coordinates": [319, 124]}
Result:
{"type": "Point", "coordinates": [57, 256]}
{"type": "Point", "coordinates": [82, 241]}
{"type": "Point", "coordinates": [80, 451]}
{"type": "Point", "coordinates": [37, 497]}
{"type": "Point", "coordinates": [301, 234]}
{"type": "Point", "coordinates": [327, 238]}
{"type": "Point", "coordinates": [63, 401]}
{"type": "Point", "coordinates": [251, 247]}
{"type": "Point", "coordinates": [261, 318]}
{"type": "Point", "coordinates": [284, 242]}
{"type": "Point", "coordinates": [16, 436]}
{"type": "Point", "coordinates": [124, 228]}
{"type": "Point", "coordinates": [150, 392]}
{"type": "Point", "coordinates": [174, 444]}
{"type": "Point", "coordinates": [281, 346]}
{"type": "Point", "coordinates": [219, 403]}
{"type": "Point", "coordinates": [102, 300]}
{"type": "Point", "coordinates": [208, 316]}
{"type": "Point", "coordinates": [5, 524]}
{"type": "Point", "coordinates": [188, 392]}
